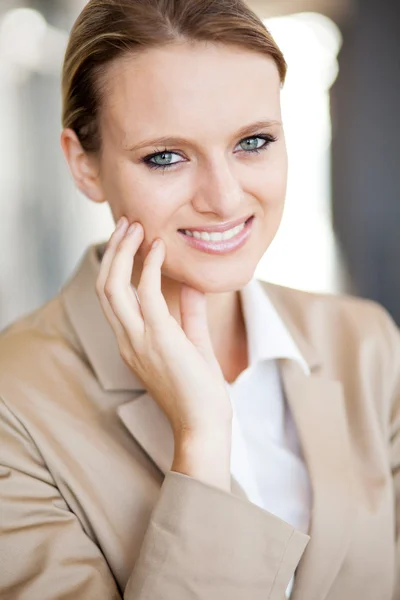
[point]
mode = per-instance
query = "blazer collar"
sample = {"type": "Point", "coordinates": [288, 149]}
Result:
{"type": "Point", "coordinates": [92, 328]}
{"type": "Point", "coordinates": [97, 338]}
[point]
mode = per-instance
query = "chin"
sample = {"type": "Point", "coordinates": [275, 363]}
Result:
{"type": "Point", "coordinates": [215, 275]}
{"type": "Point", "coordinates": [230, 281]}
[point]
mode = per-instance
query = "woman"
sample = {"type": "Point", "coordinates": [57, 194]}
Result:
{"type": "Point", "coordinates": [172, 428]}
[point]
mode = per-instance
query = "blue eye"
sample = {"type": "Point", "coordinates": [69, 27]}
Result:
{"type": "Point", "coordinates": [252, 144]}
{"type": "Point", "coordinates": [163, 160]}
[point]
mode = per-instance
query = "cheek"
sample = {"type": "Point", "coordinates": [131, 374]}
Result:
{"type": "Point", "coordinates": [277, 175]}
{"type": "Point", "coordinates": [268, 181]}
{"type": "Point", "coordinates": [151, 199]}
{"type": "Point", "coordinates": [270, 187]}
{"type": "Point", "coordinates": [142, 196]}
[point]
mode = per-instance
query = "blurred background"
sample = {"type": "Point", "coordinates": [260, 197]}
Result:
{"type": "Point", "coordinates": [341, 108]}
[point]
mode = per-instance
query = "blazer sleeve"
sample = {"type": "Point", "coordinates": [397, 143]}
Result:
{"type": "Point", "coordinates": [201, 542]}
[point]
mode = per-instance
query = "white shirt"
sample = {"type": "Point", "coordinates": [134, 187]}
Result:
{"type": "Point", "coordinates": [266, 457]}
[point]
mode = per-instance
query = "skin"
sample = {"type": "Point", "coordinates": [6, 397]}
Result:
{"type": "Point", "coordinates": [205, 93]}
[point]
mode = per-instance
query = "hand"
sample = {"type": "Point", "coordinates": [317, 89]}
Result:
{"type": "Point", "coordinates": [176, 363]}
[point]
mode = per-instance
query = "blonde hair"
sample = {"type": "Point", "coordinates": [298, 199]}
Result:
{"type": "Point", "coordinates": [107, 30]}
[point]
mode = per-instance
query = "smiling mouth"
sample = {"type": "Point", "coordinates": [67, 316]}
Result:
{"type": "Point", "coordinates": [218, 234]}
{"type": "Point", "coordinates": [219, 242]}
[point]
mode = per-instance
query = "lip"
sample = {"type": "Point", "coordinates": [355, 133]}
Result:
{"type": "Point", "coordinates": [223, 247]}
{"type": "Point", "coordinates": [218, 228]}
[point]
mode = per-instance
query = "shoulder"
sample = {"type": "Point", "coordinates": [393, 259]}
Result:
{"type": "Point", "coordinates": [37, 351]}
{"type": "Point", "coordinates": [36, 333]}
{"type": "Point", "coordinates": [49, 320]}
{"type": "Point", "coordinates": [356, 340]}
{"type": "Point", "coordinates": [335, 317]}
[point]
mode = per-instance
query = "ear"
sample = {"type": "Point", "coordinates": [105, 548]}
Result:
{"type": "Point", "coordinates": [83, 167]}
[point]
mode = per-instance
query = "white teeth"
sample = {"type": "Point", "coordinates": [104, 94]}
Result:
{"type": "Point", "coordinates": [215, 236]}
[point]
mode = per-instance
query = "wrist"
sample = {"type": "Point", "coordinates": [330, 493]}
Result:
{"type": "Point", "coordinates": [205, 455]}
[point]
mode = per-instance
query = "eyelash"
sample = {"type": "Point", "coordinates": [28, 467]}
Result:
{"type": "Point", "coordinates": [268, 138]}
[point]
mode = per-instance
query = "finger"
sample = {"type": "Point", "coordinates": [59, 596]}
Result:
{"type": "Point", "coordinates": [193, 308]}
{"type": "Point", "coordinates": [105, 265]}
{"type": "Point", "coordinates": [109, 253]}
{"type": "Point", "coordinates": [118, 288]}
{"type": "Point", "coordinates": [153, 304]}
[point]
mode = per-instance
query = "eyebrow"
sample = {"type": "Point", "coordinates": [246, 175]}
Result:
{"type": "Point", "coordinates": [247, 130]}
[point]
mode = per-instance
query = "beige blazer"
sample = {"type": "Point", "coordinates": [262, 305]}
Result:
{"type": "Point", "coordinates": [89, 509]}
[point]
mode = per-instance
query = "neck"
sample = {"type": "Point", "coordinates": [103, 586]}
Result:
{"type": "Point", "coordinates": [225, 323]}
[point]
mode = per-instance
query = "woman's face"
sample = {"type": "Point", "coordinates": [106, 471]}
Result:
{"type": "Point", "coordinates": [218, 100]}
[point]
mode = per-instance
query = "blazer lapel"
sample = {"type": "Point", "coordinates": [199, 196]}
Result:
{"type": "Point", "coordinates": [318, 409]}
{"type": "Point", "coordinates": [151, 429]}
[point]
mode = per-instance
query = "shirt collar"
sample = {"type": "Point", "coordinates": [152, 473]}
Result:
{"type": "Point", "coordinates": [267, 336]}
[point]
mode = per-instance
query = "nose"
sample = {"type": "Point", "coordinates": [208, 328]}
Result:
{"type": "Point", "coordinates": [218, 190]}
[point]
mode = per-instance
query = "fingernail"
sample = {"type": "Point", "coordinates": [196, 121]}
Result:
{"type": "Point", "coordinates": [155, 244]}
{"type": "Point", "coordinates": [132, 228]}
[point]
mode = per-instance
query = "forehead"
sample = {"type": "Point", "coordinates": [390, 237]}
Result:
{"type": "Point", "coordinates": [191, 88]}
